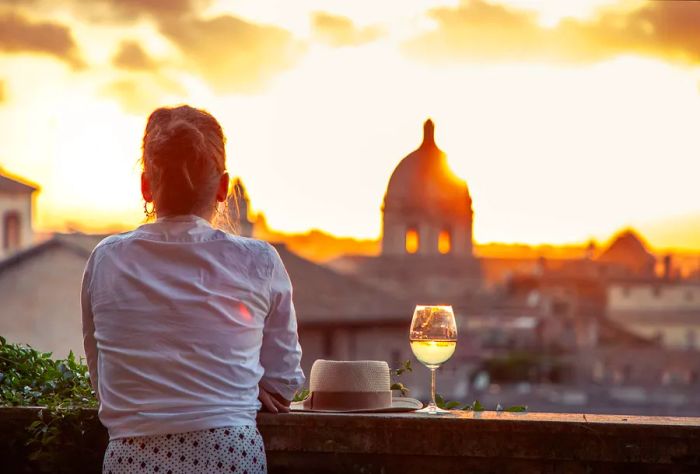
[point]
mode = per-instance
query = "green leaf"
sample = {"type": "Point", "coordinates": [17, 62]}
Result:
{"type": "Point", "coordinates": [516, 409]}
{"type": "Point", "coordinates": [301, 395]}
{"type": "Point", "coordinates": [34, 425]}
{"type": "Point", "coordinates": [452, 405]}
{"type": "Point", "coordinates": [477, 406]}
{"type": "Point", "coordinates": [405, 367]}
{"type": "Point", "coordinates": [439, 401]}
{"type": "Point", "coordinates": [399, 386]}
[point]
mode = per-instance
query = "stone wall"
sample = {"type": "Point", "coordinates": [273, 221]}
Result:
{"type": "Point", "coordinates": [41, 301]}
{"type": "Point", "coordinates": [485, 442]}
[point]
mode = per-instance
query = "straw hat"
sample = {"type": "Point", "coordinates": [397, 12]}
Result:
{"type": "Point", "coordinates": [352, 386]}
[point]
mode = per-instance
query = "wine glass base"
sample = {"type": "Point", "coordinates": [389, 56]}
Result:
{"type": "Point", "coordinates": [433, 411]}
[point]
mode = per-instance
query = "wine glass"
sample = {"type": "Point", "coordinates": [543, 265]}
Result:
{"type": "Point", "coordinates": [433, 338]}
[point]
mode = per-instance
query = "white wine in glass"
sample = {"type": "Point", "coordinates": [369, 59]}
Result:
{"type": "Point", "coordinates": [433, 338]}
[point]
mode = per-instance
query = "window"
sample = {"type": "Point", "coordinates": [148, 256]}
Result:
{"type": "Point", "coordinates": [11, 231]}
{"type": "Point", "coordinates": [412, 240]}
{"type": "Point", "coordinates": [444, 242]}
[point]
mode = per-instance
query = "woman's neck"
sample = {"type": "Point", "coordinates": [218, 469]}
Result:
{"type": "Point", "coordinates": [204, 215]}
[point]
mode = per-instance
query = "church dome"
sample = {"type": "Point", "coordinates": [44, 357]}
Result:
{"type": "Point", "coordinates": [629, 251]}
{"type": "Point", "coordinates": [423, 181]}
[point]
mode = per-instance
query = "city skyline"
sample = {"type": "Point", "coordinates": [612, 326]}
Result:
{"type": "Point", "coordinates": [572, 129]}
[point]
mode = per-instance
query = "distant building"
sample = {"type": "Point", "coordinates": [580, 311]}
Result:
{"type": "Point", "coordinates": [16, 198]}
{"type": "Point", "coordinates": [628, 255]}
{"type": "Point", "coordinates": [427, 208]}
{"type": "Point", "coordinates": [665, 310]}
{"type": "Point", "coordinates": [238, 206]}
{"type": "Point", "coordinates": [427, 239]}
{"type": "Point", "coordinates": [40, 293]}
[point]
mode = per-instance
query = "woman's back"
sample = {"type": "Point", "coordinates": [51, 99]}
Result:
{"type": "Point", "coordinates": [187, 328]}
{"type": "Point", "coordinates": [179, 311]}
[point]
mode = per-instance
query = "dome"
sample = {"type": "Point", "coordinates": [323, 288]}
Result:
{"type": "Point", "coordinates": [629, 251]}
{"type": "Point", "coordinates": [423, 181]}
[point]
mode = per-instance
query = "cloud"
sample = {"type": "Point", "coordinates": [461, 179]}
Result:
{"type": "Point", "coordinates": [154, 7]}
{"type": "Point", "coordinates": [130, 11]}
{"type": "Point", "coordinates": [340, 31]}
{"type": "Point", "coordinates": [19, 35]}
{"type": "Point", "coordinates": [142, 93]}
{"type": "Point", "coordinates": [233, 55]}
{"type": "Point", "coordinates": [478, 30]}
{"type": "Point", "coordinates": [131, 56]}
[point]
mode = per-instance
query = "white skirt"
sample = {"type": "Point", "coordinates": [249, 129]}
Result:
{"type": "Point", "coordinates": [238, 449]}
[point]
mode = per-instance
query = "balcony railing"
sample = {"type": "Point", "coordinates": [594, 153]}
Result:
{"type": "Point", "coordinates": [486, 442]}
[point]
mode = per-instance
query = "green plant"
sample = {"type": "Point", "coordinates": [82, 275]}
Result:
{"type": "Point", "coordinates": [32, 378]}
{"type": "Point", "coordinates": [405, 367]}
{"type": "Point", "coordinates": [475, 406]}
{"type": "Point", "coordinates": [62, 387]}
{"type": "Point", "coordinates": [301, 395]}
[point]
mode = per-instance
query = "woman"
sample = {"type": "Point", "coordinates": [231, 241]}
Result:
{"type": "Point", "coordinates": [188, 330]}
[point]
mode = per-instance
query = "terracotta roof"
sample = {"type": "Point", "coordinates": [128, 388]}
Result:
{"type": "Point", "coordinates": [68, 241]}
{"type": "Point", "coordinates": [323, 295]}
{"type": "Point", "coordinates": [614, 333]}
{"type": "Point", "coordinates": [80, 242]}
{"type": "Point", "coordinates": [13, 184]}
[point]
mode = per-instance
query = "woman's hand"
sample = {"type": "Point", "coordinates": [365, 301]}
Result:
{"type": "Point", "coordinates": [273, 402]}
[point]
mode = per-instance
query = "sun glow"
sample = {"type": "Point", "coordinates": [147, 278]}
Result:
{"type": "Point", "coordinates": [551, 151]}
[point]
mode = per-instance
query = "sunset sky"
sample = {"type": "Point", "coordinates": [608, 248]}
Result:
{"type": "Point", "coordinates": [568, 120]}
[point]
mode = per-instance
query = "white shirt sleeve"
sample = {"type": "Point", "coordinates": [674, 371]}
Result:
{"type": "Point", "coordinates": [280, 354]}
{"type": "Point", "coordinates": [89, 343]}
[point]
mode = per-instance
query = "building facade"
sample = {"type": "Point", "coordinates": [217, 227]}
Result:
{"type": "Point", "coordinates": [16, 202]}
{"type": "Point", "coordinates": [667, 311]}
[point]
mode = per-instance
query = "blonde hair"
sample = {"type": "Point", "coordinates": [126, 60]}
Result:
{"type": "Point", "coordinates": [183, 159]}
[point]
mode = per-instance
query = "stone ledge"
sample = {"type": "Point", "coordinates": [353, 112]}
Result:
{"type": "Point", "coordinates": [475, 442]}
{"type": "Point", "coordinates": [559, 442]}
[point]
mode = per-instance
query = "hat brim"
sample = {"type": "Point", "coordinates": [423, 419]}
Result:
{"type": "Point", "coordinates": [398, 404]}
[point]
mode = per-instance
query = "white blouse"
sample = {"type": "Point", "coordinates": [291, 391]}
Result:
{"type": "Point", "coordinates": [181, 322]}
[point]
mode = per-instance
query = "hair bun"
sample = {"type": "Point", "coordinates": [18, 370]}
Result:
{"type": "Point", "coordinates": [183, 157]}
{"type": "Point", "coordinates": [180, 140]}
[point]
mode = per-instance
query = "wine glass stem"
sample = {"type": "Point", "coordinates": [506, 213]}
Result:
{"type": "Point", "coordinates": [432, 406]}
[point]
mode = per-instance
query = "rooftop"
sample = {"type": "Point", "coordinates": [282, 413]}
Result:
{"type": "Point", "coordinates": [14, 184]}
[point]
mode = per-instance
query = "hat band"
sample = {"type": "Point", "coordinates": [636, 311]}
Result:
{"type": "Point", "coordinates": [344, 401]}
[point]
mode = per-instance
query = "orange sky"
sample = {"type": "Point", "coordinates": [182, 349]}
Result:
{"type": "Point", "coordinates": [569, 120]}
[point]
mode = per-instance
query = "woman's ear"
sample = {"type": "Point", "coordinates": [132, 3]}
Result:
{"type": "Point", "coordinates": [146, 188]}
{"type": "Point", "coordinates": [222, 190]}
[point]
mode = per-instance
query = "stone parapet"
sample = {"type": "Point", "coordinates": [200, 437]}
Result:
{"type": "Point", "coordinates": [486, 442]}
